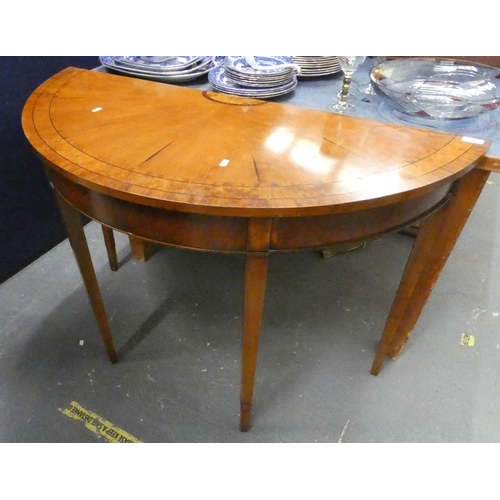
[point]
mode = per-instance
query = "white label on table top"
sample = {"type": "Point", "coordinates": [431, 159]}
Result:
{"type": "Point", "coordinates": [95, 110]}
{"type": "Point", "coordinates": [224, 163]}
{"type": "Point", "coordinates": [472, 140]}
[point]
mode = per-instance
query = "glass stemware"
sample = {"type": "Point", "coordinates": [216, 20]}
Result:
{"type": "Point", "coordinates": [367, 88]}
{"type": "Point", "coordinates": [348, 65]}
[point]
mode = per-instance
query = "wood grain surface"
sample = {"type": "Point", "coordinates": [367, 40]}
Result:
{"type": "Point", "coordinates": [187, 150]}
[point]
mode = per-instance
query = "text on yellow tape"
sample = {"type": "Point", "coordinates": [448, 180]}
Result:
{"type": "Point", "coordinates": [467, 340]}
{"type": "Point", "coordinates": [98, 425]}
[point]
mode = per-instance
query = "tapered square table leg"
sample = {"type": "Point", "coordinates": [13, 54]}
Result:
{"type": "Point", "coordinates": [109, 241]}
{"type": "Point", "coordinates": [435, 240]}
{"type": "Point", "coordinates": [76, 235]}
{"type": "Point", "coordinates": [257, 261]}
{"type": "Point", "coordinates": [255, 288]}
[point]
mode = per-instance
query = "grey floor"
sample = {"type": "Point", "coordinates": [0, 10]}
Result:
{"type": "Point", "coordinates": [176, 321]}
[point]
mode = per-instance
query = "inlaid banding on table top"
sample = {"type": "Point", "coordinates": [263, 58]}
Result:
{"type": "Point", "coordinates": [164, 142]}
{"type": "Point", "coordinates": [232, 100]}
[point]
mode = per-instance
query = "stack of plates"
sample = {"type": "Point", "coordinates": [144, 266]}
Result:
{"type": "Point", "coordinates": [236, 76]}
{"type": "Point", "coordinates": [161, 68]}
{"type": "Point", "coordinates": [317, 65]}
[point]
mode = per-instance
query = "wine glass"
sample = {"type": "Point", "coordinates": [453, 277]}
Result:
{"type": "Point", "coordinates": [348, 65]}
{"type": "Point", "coordinates": [367, 88]}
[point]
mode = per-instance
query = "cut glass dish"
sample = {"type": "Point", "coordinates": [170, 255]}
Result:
{"type": "Point", "coordinates": [438, 88]}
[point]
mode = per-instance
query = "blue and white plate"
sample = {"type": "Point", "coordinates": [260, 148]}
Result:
{"type": "Point", "coordinates": [201, 66]}
{"type": "Point", "coordinates": [273, 65]}
{"type": "Point", "coordinates": [177, 63]}
{"type": "Point", "coordinates": [222, 83]}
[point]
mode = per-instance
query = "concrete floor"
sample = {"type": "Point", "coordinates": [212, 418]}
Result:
{"type": "Point", "coordinates": [176, 322]}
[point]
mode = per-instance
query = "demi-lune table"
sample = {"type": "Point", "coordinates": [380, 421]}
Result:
{"type": "Point", "coordinates": [207, 171]}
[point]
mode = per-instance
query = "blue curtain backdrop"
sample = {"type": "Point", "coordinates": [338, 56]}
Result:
{"type": "Point", "coordinates": [30, 224]}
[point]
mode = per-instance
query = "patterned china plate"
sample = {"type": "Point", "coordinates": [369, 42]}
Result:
{"type": "Point", "coordinates": [239, 64]}
{"type": "Point", "coordinates": [206, 64]}
{"type": "Point", "coordinates": [220, 82]}
{"type": "Point", "coordinates": [175, 64]}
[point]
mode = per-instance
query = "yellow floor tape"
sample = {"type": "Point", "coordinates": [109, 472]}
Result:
{"type": "Point", "coordinates": [467, 340]}
{"type": "Point", "coordinates": [98, 425]}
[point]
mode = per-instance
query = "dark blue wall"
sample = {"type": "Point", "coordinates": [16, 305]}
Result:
{"type": "Point", "coordinates": [30, 224]}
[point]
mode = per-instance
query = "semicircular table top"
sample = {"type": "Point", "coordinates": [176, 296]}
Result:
{"type": "Point", "coordinates": [204, 151]}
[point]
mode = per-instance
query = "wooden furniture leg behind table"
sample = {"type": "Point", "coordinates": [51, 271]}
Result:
{"type": "Point", "coordinates": [141, 249]}
{"type": "Point", "coordinates": [109, 241]}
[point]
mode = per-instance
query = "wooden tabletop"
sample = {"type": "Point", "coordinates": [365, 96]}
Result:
{"type": "Point", "coordinates": [210, 153]}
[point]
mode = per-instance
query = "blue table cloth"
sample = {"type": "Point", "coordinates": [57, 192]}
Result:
{"type": "Point", "coordinates": [319, 92]}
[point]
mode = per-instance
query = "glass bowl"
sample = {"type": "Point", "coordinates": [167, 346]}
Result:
{"type": "Point", "coordinates": [442, 89]}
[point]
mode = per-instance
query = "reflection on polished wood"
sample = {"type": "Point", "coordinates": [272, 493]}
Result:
{"type": "Point", "coordinates": [207, 171]}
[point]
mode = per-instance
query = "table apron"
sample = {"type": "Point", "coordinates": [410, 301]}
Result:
{"type": "Point", "coordinates": [231, 234]}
